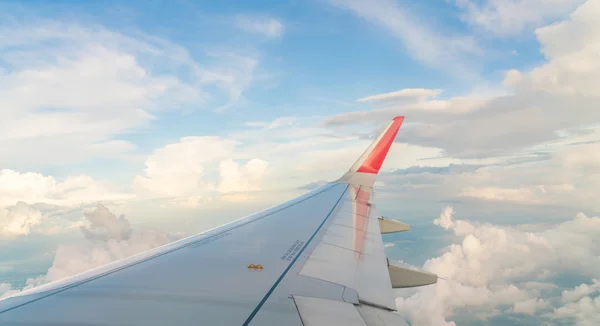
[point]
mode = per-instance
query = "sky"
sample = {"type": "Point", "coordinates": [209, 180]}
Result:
{"type": "Point", "coordinates": [126, 125]}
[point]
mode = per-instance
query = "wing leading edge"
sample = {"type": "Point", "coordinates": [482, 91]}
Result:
{"type": "Point", "coordinates": [322, 257]}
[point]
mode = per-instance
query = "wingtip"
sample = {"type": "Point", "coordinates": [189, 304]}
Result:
{"type": "Point", "coordinates": [373, 158]}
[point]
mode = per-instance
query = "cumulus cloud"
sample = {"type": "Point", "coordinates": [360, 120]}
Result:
{"type": "Point", "coordinates": [105, 225]}
{"type": "Point", "coordinates": [19, 220]}
{"type": "Point", "coordinates": [581, 291]}
{"type": "Point", "coordinates": [502, 268]}
{"type": "Point", "coordinates": [245, 178]}
{"type": "Point", "coordinates": [108, 238]}
{"type": "Point", "coordinates": [529, 306]}
{"type": "Point", "coordinates": [188, 169]}
{"type": "Point", "coordinates": [585, 312]}
{"type": "Point", "coordinates": [21, 192]}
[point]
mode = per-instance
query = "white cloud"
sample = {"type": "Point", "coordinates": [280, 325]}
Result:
{"type": "Point", "coordinates": [34, 188]}
{"type": "Point", "coordinates": [571, 47]}
{"type": "Point", "coordinates": [198, 166]}
{"type": "Point", "coordinates": [19, 220]}
{"type": "Point", "coordinates": [529, 306]}
{"type": "Point", "coordinates": [246, 178]}
{"type": "Point", "coordinates": [105, 225]}
{"type": "Point", "coordinates": [584, 312]}
{"type": "Point", "coordinates": [267, 26]}
{"type": "Point", "coordinates": [72, 90]}
{"type": "Point", "coordinates": [560, 94]}
{"type": "Point", "coordinates": [118, 241]}
{"type": "Point", "coordinates": [407, 93]}
{"type": "Point", "coordinates": [581, 291]}
{"type": "Point", "coordinates": [512, 78]}
{"type": "Point", "coordinates": [20, 193]}
{"type": "Point", "coordinates": [490, 268]}
{"type": "Point", "coordinates": [510, 17]}
{"type": "Point", "coordinates": [232, 73]}
{"type": "Point", "coordinates": [178, 169]}
{"type": "Point", "coordinates": [417, 104]}
{"type": "Point", "coordinates": [422, 43]}
{"type": "Point", "coordinates": [77, 90]}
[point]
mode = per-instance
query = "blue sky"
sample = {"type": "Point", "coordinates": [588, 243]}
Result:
{"type": "Point", "coordinates": [183, 115]}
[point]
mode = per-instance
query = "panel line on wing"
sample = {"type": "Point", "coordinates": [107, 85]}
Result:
{"type": "Point", "coordinates": [120, 268]}
{"type": "Point", "coordinates": [262, 302]}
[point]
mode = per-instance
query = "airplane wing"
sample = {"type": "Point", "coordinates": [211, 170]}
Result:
{"type": "Point", "coordinates": [315, 260]}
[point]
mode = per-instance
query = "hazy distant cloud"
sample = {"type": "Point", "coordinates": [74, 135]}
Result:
{"type": "Point", "coordinates": [407, 93]}
{"type": "Point", "coordinates": [565, 176]}
{"type": "Point", "coordinates": [19, 220]}
{"type": "Point", "coordinates": [264, 25]}
{"type": "Point", "coordinates": [313, 185]}
{"type": "Point", "coordinates": [529, 306]}
{"type": "Point", "coordinates": [119, 241]}
{"type": "Point", "coordinates": [29, 200]}
{"type": "Point", "coordinates": [450, 169]}
{"type": "Point", "coordinates": [31, 187]}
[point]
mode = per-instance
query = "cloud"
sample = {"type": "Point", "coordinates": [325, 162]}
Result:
{"type": "Point", "coordinates": [529, 306]}
{"type": "Point", "coordinates": [31, 187]}
{"type": "Point", "coordinates": [105, 225]}
{"type": "Point", "coordinates": [30, 203]}
{"type": "Point", "coordinates": [19, 220]}
{"type": "Point", "coordinates": [269, 27]}
{"type": "Point", "coordinates": [78, 90]}
{"type": "Point", "coordinates": [507, 18]}
{"type": "Point", "coordinates": [491, 268]}
{"type": "Point", "coordinates": [423, 43]}
{"type": "Point", "coordinates": [585, 312]}
{"type": "Point", "coordinates": [558, 95]}
{"type": "Point", "coordinates": [407, 93]}
{"type": "Point", "coordinates": [188, 168]}
{"type": "Point", "coordinates": [419, 105]}
{"type": "Point", "coordinates": [581, 291]}
{"type": "Point", "coordinates": [118, 240]}
{"type": "Point", "coordinates": [79, 87]}
{"type": "Point", "coordinates": [229, 71]}
{"type": "Point", "coordinates": [246, 178]}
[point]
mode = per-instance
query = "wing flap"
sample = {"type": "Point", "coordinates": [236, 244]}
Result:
{"type": "Point", "coordinates": [322, 312]}
{"type": "Point", "coordinates": [378, 317]}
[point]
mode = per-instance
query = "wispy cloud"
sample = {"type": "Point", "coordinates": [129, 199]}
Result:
{"type": "Point", "coordinates": [507, 18]}
{"type": "Point", "coordinates": [260, 24]}
{"type": "Point", "coordinates": [407, 93]}
{"type": "Point", "coordinates": [421, 41]}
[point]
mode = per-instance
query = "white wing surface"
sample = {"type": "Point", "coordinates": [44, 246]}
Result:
{"type": "Point", "coordinates": [315, 260]}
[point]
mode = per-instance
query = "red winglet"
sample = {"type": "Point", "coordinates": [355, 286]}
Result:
{"type": "Point", "coordinates": [373, 158]}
